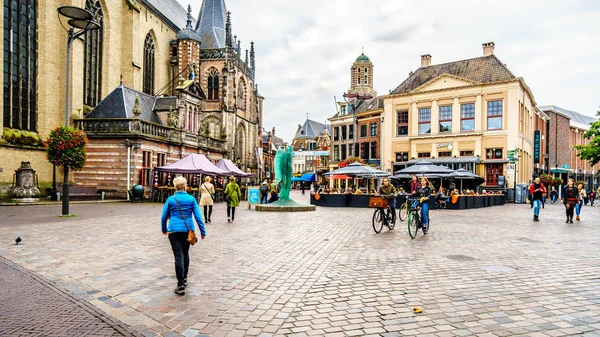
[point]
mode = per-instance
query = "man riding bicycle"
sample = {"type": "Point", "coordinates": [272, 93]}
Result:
{"type": "Point", "coordinates": [388, 191]}
{"type": "Point", "coordinates": [423, 193]}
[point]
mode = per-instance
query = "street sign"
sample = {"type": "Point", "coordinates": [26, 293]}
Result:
{"type": "Point", "coordinates": [536, 146]}
{"type": "Point", "coordinates": [253, 195]}
{"type": "Point", "coordinates": [510, 169]}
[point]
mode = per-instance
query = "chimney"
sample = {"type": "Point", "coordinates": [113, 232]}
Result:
{"type": "Point", "coordinates": [488, 48]}
{"type": "Point", "coordinates": [425, 60]}
{"type": "Point", "coordinates": [273, 133]}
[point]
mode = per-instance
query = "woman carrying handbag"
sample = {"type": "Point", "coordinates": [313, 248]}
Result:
{"type": "Point", "coordinates": [178, 210]}
{"type": "Point", "coordinates": [207, 198]}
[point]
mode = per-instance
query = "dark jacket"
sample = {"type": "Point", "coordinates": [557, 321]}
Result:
{"type": "Point", "coordinates": [570, 195]}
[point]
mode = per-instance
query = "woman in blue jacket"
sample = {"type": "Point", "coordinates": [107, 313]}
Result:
{"type": "Point", "coordinates": [177, 205]}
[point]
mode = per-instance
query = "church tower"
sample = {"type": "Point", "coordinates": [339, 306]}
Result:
{"type": "Point", "coordinates": [188, 49]}
{"type": "Point", "coordinates": [361, 76]}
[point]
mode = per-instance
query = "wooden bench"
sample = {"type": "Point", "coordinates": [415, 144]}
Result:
{"type": "Point", "coordinates": [80, 192]}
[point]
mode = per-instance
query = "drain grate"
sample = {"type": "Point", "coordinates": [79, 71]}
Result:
{"type": "Point", "coordinates": [461, 257]}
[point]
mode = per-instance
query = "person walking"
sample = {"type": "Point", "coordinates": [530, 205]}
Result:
{"type": "Point", "coordinates": [582, 196]}
{"type": "Point", "coordinates": [537, 191]}
{"type": "Point", "coordinates": [264, 192]}
{"type": "Point", "coordinates": [553, 195]}
{"type": "Point", "coordinates": [178, 210]}
{"type": "Point", "coordinates": [592, 196]}
{"type": "Point", "coordinates": [232, 190]}
{"type": "Point", "coordinates": [207, 194]}
{"type": "Point", "coordinates": [570, 199]}
{"type": "Point", "coordinates": [414, 184]}
{"type": "Point", "coordinates": [302, 187]}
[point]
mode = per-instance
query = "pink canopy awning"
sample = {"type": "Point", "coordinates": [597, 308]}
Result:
{"type": "Point", "coordinates": [228, 165]}
{"type": "Point", "coordinates": [194, 163]}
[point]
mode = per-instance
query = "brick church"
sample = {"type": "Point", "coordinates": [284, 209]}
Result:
{"type": "Point", "coordinates": [153, 78]}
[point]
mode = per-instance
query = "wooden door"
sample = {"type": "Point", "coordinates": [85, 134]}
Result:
{"type": "Point", "coordinates": [492, 171]}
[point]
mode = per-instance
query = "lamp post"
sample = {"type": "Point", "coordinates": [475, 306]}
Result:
{"type": "Point", "coordinates": [356, 100]}
{"type": "Point", "coordinates": [80, 21]}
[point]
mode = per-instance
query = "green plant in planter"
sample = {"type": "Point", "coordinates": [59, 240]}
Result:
{"type": "Point", "coordinates": [557, 182]}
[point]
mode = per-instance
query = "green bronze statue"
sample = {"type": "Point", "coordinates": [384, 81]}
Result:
{"type": "Point", "coordinates": [283, 171]}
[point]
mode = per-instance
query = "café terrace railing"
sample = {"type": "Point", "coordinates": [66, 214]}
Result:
{"type": "Point", "coordinates": [119, 127]}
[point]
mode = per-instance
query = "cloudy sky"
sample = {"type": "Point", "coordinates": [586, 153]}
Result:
{"type": "Point", "coordinates": [305, 48]}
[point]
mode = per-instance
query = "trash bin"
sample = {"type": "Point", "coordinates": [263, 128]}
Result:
{"type": "Point", "coordinates": [510, 195]}
{"type": "Point", "coordinates": [521, 193]}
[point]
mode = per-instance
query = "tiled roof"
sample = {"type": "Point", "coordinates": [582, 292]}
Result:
{"type": "Point", "coordinates": [120, 102]}
{"type": "Point", "coordinates": [211, 24]}
{"type": "Point", "coordinates": [577, 119]}
{"type": "Point", "coordinates": [312, 129]}
{"type": "Point", "coordinates": [171, 10]}
{"type": "Point", "coordinates": [484, 69]}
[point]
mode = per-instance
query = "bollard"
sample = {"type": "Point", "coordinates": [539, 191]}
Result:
{"type": "Point", "coordinates": [58, 196]}
{"type": "Point", "coordinates": [102, 195]}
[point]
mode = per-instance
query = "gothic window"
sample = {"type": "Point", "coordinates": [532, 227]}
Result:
{"type": "Point", "coordinates": [213, 85]}
{"type": "Point", "coordinates": [92, 58]}
{"type": "Point", "coordinates": [20, 64]}
{"type": "Point", "coordinates": [149, 65]}
{"type": "Point", "coordinates": [242, 95]}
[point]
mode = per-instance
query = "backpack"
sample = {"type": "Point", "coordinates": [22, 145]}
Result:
{"type": "Point", "coordinates": [263, 188]}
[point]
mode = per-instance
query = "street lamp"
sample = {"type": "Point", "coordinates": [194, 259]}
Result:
{"type": "Point", "coordinates": [80, 21]}
{"type": "Point", "coordinates": [356, 100]}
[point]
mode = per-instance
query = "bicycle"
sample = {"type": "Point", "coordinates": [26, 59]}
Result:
{"type": "Point", "coordinates": [380, 216]}
{"type": "Point", "coordinates": [415, 220]}
{"type": "Point", "coordinates": [403, 213]}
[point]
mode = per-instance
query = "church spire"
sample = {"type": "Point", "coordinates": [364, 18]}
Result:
{"type": "Point", "coordinates": [189, 18]}
{"type": "Point", "coordinates": [246, 56]}
{"type": "Point", "coordinates": [252, 57]}
{"type": "Point", "coordinates": [211, 24]}
{"type": "Point", "coordinates": [228, 42]}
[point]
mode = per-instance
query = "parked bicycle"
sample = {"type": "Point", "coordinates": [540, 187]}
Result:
{"type": "Point", "coordinates": [383, 215]}
{"type": "Point", "coordinates": [415, 219]}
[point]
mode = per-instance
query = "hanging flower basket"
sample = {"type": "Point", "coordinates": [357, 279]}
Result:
{"type": "Point", "coordinates": [67, 147]}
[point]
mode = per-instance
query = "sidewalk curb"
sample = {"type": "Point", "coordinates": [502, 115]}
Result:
{"type": "Point", "coordinates": [58, 203]}
{"type": "Point", "coordinates": [101, 315]}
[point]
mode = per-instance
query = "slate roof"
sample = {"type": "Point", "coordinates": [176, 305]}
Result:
{"type": "Point", "coordinates": [211, 24]}
{"type": "Point", "coordinates": [484, 69]}
{"type": "Point", "coordinates": [312, 129]}
{"type": "Point", "coordinates": [370, 104]}
{"type": "Point", "coordinates": [120, 102]}
{"type": "Point", "coordinates": [165, 103]}
{"type": "Point", "coordinates": [171, 10]}
{"type": "Point", "coordinates": [577, 119]}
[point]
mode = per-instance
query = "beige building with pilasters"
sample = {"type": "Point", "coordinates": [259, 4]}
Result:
{"type": "Point", "coordinates": [463, 114]}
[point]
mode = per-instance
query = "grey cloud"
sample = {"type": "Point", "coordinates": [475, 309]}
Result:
{"type": "Point", "coordinates": [399, 35]}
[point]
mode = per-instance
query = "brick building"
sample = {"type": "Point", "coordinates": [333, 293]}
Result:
{"type": "Point", "coordinates": [566, 131]}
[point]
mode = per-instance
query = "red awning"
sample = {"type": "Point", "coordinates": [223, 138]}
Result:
{"type": "Point", "coordinates": [340, 176]}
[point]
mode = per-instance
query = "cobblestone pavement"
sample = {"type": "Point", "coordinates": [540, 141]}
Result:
{"type": "Point", "coordinates": [482, 272]}
{"type": "Point", "coordinates": [33, 307]}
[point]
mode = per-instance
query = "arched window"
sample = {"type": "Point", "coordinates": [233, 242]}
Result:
{"type": "Point", "coordinates": [92, 58]}
{"type": "Point", "coordinates": [366, 75]}
{"type": "Point", "coordinates": [242, 95]}
{"type": "Point", "coordinates": [359, 76]}
{"type": "Point", "coordinates": [213, 85]}
{"type": "Point", "coordinates": [149, 65]}
{"type": "Point", "coordinates": [20, 65]}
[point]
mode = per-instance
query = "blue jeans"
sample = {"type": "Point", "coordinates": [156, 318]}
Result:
{"type": "Point", "coordinates": [578, 207]}
{"type": "Point", "coordinates": [181, 249]}
{"type": "Point", "coordinates": [264, 197]}
{"type": "Point", "coordinates": [536, 207]}
{"type": "Point", "coordinates": [553, 198]}
{"type": "Point", "coordinates": [425, 212]}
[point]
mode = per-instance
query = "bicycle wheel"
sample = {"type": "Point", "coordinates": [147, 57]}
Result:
{"type": "Point", "coordinates": [378, 219]}
{"type": "Point", "coordinates": [413, 225]}
{"type": "Point", "coordinates": [404, 211]}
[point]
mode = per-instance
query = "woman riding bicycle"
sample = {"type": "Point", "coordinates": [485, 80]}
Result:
{"type": "Point", "coordinates": [388, 191]}
{"type": "Point", "coordinates": [423, 193]}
